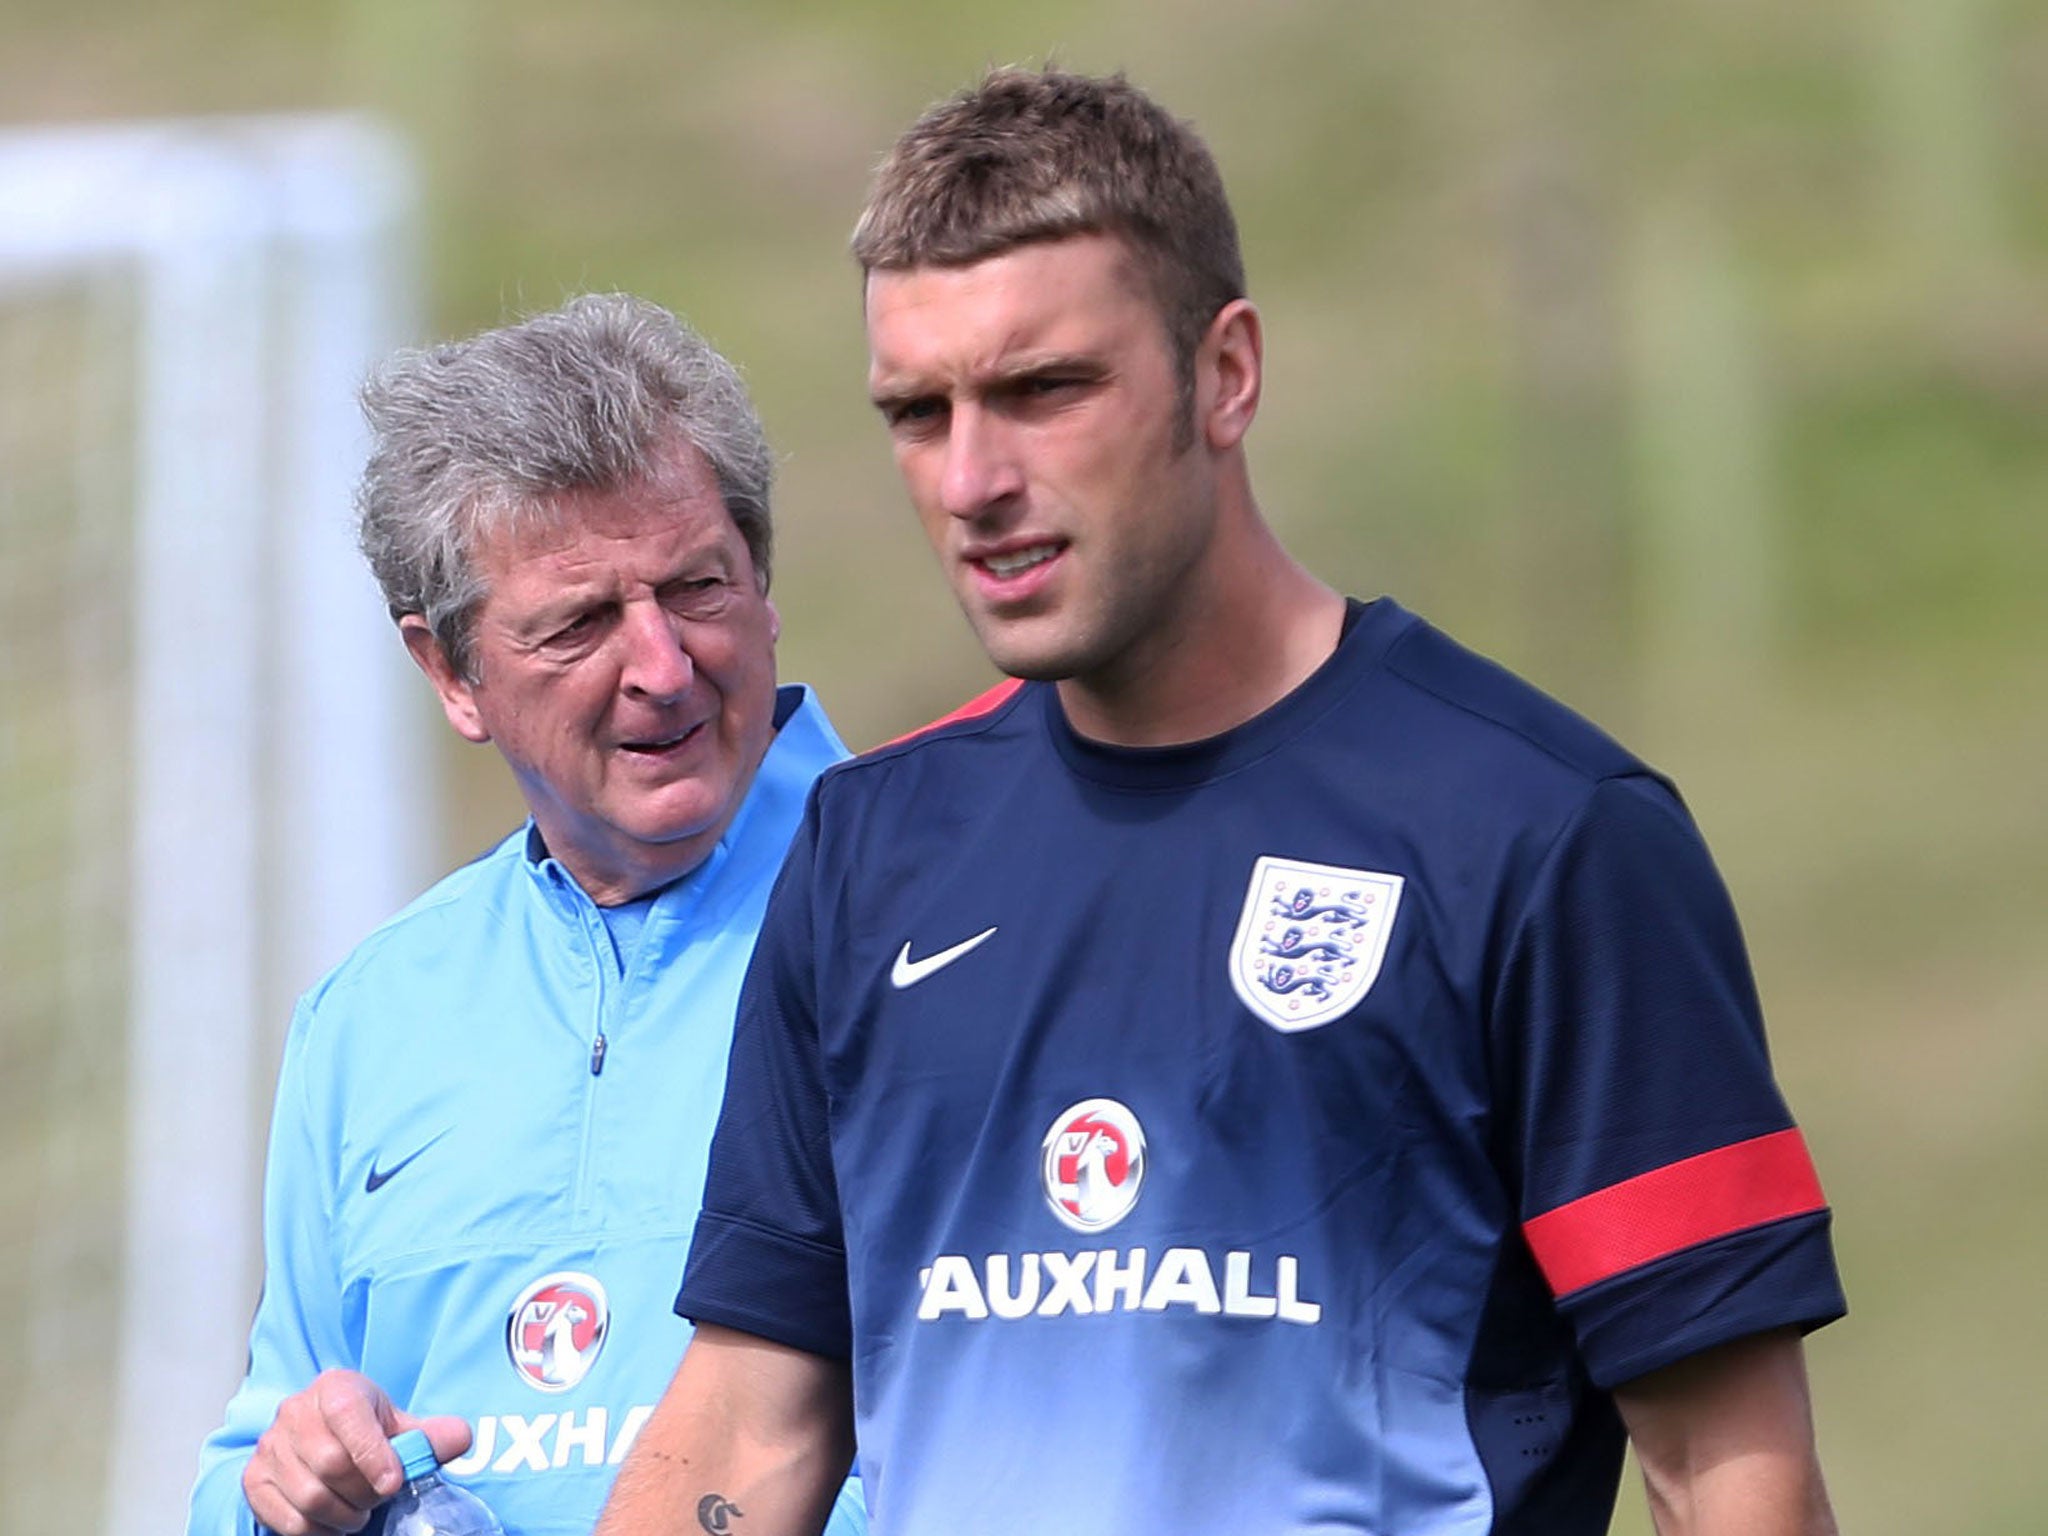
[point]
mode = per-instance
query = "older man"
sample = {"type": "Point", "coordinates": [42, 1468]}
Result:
{"type": "Point", "coordinates": [492, 1120]}
{"type": "Point", "coordinates": [1266, 1070]}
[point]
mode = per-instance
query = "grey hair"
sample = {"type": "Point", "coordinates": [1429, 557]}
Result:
{"type": "Point", "coordinates": [475, 436]}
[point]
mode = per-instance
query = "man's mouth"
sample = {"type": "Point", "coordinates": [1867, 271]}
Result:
{"type": "Point", "coordinates": [654, 746]}
{"type": "Point", "coordinates": [1013, 562]}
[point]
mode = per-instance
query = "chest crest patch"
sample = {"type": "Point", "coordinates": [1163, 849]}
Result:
{"type": "Point", "coordinates": [1310, 940]}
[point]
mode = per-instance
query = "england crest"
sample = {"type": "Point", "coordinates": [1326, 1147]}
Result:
{"type": "Point", "coordinates": [1310, 940]}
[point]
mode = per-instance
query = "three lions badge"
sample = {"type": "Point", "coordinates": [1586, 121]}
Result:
{"type": "Point", "coordinates": [1310, 940]}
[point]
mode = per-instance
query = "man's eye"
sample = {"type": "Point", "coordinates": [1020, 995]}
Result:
{"type": "Point", "coordinates": [698, 597]}
{"type": "Point", "coordinates": [1048, 391]}
{"type": "Point", "coordinates": [914, 414]}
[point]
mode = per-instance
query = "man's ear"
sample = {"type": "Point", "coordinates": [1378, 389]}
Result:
{"type": "Point", "coordinates": [1229, 369]}
{"type": "Point", "coordinates": [774, 623]}
{"type": "Point", "coordinates": [458, 697]}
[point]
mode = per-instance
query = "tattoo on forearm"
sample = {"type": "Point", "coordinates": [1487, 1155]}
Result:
{"type": "Point", "coordinates": [716, 1513]}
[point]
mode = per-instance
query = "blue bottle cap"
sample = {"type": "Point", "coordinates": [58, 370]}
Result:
{"type": "Point", "coordinates": [414, 1452]}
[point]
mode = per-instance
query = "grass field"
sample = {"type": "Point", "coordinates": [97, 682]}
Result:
{"type": "Point", "coordinates": [1695, 363]}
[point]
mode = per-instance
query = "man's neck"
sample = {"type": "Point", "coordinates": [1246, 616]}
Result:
{"type": "Point", "coordinates": [1260, 625]}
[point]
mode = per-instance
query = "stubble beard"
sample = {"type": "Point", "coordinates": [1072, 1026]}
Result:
{"type": "Point", "coordinates": [1091, 649]}
{"type": "Point", "coordinates": [1052, 661]}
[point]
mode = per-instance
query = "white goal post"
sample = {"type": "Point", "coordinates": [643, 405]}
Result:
{"type": "Point", "coordinates": [277, 793]}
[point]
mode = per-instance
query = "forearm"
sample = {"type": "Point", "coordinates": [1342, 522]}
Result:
{"type": "Point", "coordinates": [1753, 1496]}
{"type": "Point", "coordinates": [681, 1481]}
{"type": "Point", "coordinates": [1725, 1441]}
{"type": "Point", "coordinates": [751, 1439]}
{"type": "Point", "coordinates": [218, 1506]}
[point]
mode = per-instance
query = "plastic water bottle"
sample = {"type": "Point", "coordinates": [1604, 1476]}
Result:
{"type": "Point", "coordinates": [429, 1506]}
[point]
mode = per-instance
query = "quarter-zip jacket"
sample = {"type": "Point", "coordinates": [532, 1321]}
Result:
{"type": "Point", "coordinates": [487, 1154]}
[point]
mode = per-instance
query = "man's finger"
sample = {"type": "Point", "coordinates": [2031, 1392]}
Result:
{"type": "Point", "coordinates": [361, 1419]}
{"type": "Point", "coordinates": [447, 1433]}
{"type": "Point", "coordinates": [291, 1498]}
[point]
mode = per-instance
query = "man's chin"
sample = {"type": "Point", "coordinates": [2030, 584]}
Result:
{"type": "Point", "coordinates": [680, 820]}
{"type": "Point", "coordinates": [1038, 658]}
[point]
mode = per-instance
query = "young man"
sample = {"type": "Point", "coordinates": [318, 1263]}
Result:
{"type": "Point", "coordinates": [1268, 1069]}
{"type": "Point", "coordinates": [493, 1117]}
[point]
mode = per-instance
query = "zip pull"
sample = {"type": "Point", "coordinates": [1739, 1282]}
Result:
{"type": "Point", "coordinates": [597, 1050]}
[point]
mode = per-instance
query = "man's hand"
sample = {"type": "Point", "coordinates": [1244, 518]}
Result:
{"type": "Point", "coordinates": [326, 1461]}
{"type": "Point", "coordinates": [1725, 1440]}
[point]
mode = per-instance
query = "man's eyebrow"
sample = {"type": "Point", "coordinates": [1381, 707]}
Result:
{"type": "Point", "coordinates": [559, 609]}
{"type": "Point", "coordinates": [885, 397]}
{"type": "Point", "coordinates": [1037, 365]}
{"type": "Point", "coordinates": [891, 393]}
{"type": "Point", "coordinates": [707, 560]}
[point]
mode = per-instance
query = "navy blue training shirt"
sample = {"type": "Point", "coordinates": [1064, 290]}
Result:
{"type": "Point", "coordinates": [1300, 1130]}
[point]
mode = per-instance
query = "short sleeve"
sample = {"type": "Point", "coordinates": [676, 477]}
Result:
{"type": "Point", "coordinates": [768, 1257]}
{"type": "Point", "coordinates": [1665, 1192]}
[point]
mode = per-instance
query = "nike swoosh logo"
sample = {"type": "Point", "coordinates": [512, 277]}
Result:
{"type": "Point", "coordinates": [380, 1177]}
{"type": "Point", "coordinates": [907, 972]}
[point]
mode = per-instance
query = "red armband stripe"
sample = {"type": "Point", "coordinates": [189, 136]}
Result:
{"type": "Point", "coordinates": [1694, 1200]}
{"type": "Point", "coordinates": [980, 704]}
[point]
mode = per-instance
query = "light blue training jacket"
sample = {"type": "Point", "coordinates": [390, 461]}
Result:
{"type": "Point", "coordinates": [486, 1158]}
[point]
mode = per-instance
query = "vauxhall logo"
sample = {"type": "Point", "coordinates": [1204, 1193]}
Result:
{"type": "Point", "coordinates": [556, 1330]}
{"type": "Point", "coordinates": [1092, 1166]}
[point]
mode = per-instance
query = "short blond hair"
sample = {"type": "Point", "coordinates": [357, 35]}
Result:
{"type": "Point", "coordinates": [1030, 155]}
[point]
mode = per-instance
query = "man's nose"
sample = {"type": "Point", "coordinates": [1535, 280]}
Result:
{"type": "Point", "coordinates": [656, 664]}
{"type": "Point", "coordinates": [981, 466]}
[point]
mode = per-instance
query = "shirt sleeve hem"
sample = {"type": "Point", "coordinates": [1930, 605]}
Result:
{"type": "Point", "coordinates": [1777, 1276]}
{"type": "Point", "coordinates": [768, 1283]}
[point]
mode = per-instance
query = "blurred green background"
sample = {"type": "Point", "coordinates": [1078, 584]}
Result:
{"type": "Point", "coordinates": [1691, 359]}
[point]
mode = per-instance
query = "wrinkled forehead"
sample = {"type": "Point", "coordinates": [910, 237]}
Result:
{"type": "Point", "coordinates": [677, 491]}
